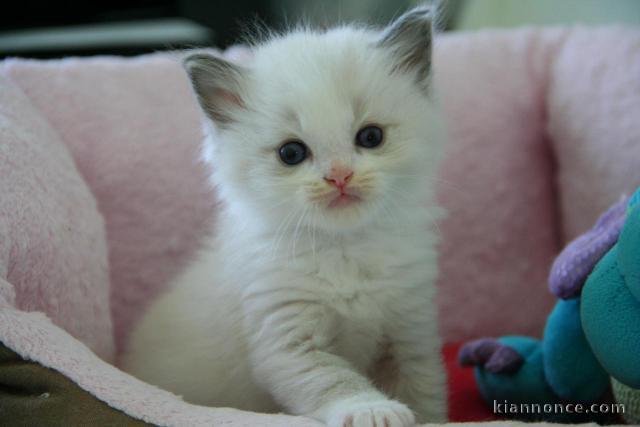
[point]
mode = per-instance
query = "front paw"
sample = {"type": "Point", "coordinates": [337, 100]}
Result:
{"type": "Point", "coordinates": [378, 412]}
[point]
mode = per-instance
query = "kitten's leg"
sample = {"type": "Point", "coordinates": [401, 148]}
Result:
{"type": "Point", "coordinates": [421, 379]}
{"type": "Point", "coordinates": [291, 338]}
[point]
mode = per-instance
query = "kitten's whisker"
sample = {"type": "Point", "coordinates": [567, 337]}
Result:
{"type": "Point", "coordinates": [297, 229]}
{"type": "Point", "coordinates": [392, 216]}
{"type": "Point", "coordinates": [433, 180]}
{"type": "Point", "coordinates": [313, 235]}
{"type": "Point", "coordinates": [449, 185]}
{"type": "Point", "coordinates": [397, 191]}
{"type": "Point", "coordinates": [277, 205]}
{"type": "Point", "coordinates": [433, 222]}
{"type": "Point", "coordinates": [286, 226]}
{"type": "Point", "coordinates": [281, 230]}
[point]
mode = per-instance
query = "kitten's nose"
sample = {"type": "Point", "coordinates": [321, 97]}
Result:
{"type": "Point", "coordinates": [339, 176]}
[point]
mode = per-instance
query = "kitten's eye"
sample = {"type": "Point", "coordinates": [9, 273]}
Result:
{"type": "Point", "coordinates": [293, 152]}
{"type": "Point", "coordinates": [369, 137]}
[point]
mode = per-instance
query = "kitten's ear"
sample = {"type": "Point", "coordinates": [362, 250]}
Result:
{"type": "Point", "coordinates": [218, 85]}
{"type": "Point", "coordinates": [409, 38]}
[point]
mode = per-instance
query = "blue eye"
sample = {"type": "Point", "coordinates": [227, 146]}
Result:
{"type": "Point", "coordinates": [369, 137]}
{"type": "Point", "coordinates": [293, 152]}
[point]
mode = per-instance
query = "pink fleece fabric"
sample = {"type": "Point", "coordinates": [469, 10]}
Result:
{"type": "Point", "coordinates": [497, 185]}
{"type": "Point", "coordinates": [53, 250]}
{"type": "Point", "coordinates": [132, 128]}
{"type": "Point", "coordinates": [104, 196]}
{"type": "Point", "coordinates": [594, 120]}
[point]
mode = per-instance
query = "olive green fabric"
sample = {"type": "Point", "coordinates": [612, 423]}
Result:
{"type": "Point", "coordinates": [32, 395]}
{"type": "Point", "coordinates": [630, 398]}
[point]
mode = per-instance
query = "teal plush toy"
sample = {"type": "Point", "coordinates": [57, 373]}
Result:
{"type": "Point", "coordinates": [611, 312]}
{"type": "Point", "coordinates": [592, 334]}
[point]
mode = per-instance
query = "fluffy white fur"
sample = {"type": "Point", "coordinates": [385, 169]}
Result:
{"type": "Point", "coordinates": [294, 305]}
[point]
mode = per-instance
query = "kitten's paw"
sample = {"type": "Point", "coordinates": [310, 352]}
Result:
{"type": "Point", "coordinates": [372, 413]}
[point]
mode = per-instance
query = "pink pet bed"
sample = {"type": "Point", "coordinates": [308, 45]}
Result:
{"type": "Point", "coordinates": [103, 196]}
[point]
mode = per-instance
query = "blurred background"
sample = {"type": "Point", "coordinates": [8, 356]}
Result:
{"type": "Point", "coordinates": [50, 29]}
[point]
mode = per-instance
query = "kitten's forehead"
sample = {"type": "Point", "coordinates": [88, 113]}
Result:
{"type": "Point", "coordinates": [334, 64]}
{"type": "Point", "coordinates": [319, 80]}
{"type": "Point", "coordinates": [325, 124]}
{"type": "Point", "coordinates": [310, 50]}
{"type": "Point", "coordinates": [321, 104]}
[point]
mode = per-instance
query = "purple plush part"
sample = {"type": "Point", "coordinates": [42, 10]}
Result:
{"type": "Point", "coordinates": [493, 356]}
{"type": "Point", "coordinates": [577, 260]}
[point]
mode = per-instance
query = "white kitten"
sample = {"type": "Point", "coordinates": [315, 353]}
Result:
{"type": "Point", "coordinates": [317, 294]}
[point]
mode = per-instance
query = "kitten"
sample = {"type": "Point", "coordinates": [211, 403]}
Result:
{"type": "Point", "coordinates": [324, 150]}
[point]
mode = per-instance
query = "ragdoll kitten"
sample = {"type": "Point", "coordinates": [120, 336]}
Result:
{"type": "Point", "coordinates": [316, 296]}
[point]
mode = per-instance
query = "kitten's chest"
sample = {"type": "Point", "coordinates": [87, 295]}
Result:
{"type": "Point", "coordinates": [353, 284]}
{"type": "Point", "coordinates": [362, 277]}
{"type": "Point", "coordinates": [368, 283]}
{"type": "Point", "coordinates": [358, 287]}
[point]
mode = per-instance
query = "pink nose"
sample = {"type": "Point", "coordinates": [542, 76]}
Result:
{"type": "Point", "coordinates": [339, 177]}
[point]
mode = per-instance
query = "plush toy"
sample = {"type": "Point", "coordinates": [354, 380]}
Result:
{"type": "Point", "coordinates": [611, 312]}
{"type": "Point", "coordinates": [592, 334]}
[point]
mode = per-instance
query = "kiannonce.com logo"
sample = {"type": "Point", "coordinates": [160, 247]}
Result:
{"type": "Point", "coordinates": [508, 408]}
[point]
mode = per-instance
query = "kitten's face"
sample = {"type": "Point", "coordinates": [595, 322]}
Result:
{"type": "Point", "coordinates": [331, 130]}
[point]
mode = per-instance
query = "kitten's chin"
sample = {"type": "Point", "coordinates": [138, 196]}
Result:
{"type": "Point", "coordinates": [345, 212]}
{"type": "Point", "coordinates": [344, 201]}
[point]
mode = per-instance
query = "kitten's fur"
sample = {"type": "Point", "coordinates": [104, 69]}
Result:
{"type": "Point", "coordinates": [294, 303]}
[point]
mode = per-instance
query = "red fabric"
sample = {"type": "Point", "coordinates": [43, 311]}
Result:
{"type": "Point", "coordinates": [465, 401]}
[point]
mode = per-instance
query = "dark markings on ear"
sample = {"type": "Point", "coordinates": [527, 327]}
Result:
{"type": "Point", "coordinates": [410, 40]}
{"type": "Point", "coordinates": [217, 84]}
